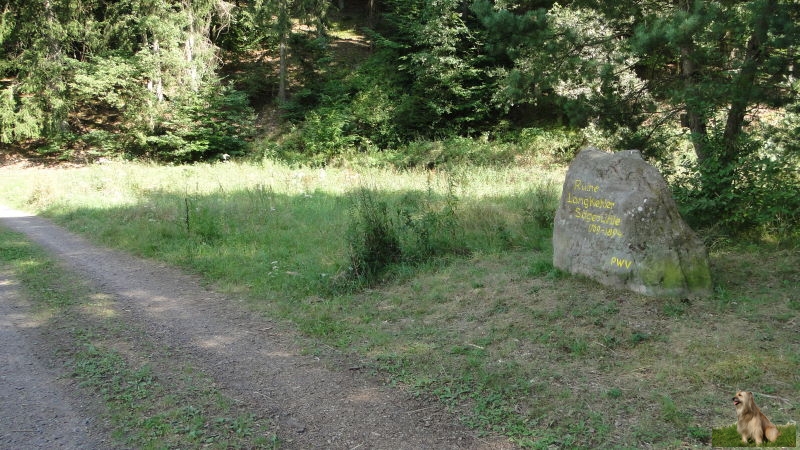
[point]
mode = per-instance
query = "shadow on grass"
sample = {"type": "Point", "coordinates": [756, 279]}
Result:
{"type": "Point", "coordinates": [295, 245]}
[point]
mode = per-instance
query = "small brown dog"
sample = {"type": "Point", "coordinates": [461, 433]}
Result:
{"type": "Point", "coordinates": [752, 422]}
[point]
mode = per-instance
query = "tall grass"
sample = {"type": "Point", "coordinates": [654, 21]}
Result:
{"type": "Point", "coordinates": [280, 232]}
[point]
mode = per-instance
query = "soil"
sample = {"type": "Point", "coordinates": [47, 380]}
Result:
{"type": "Point", "coordinates": [38, 411]}
{"type": "Point", "coordinates": [314, 402]}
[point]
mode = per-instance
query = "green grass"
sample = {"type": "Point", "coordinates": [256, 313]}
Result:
{"type": "Point", "coordinates": [509, 343]}
{"type": "Point", "coordinates": [152, 400]}
{"type": "Point", "coordinates": [729, 437]}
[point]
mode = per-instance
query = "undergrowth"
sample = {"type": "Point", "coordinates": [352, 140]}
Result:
{"type": "Point", "coordinates": [416, 228]}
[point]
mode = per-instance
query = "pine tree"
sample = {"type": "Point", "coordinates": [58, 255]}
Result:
{"type": "Point", "coordinates": [731, 55]}
{"type": "Point", "coordinates": [277, 18]}
{"type": "Point", "coordinates": [736, 56]}
{"type": "Point", "coordinates": [151, 64]}
{"type": "Point", "coordinates": [442, 66]}
{"type": "Point", "coordinates": [567, 59]}
{"type": "Point", "coordinates": [34, 36]}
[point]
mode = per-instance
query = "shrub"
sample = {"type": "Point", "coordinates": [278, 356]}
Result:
{"type": "Point", "coordinates": [372, 239]}
{"type": "Point", "coordinates": [430, 227]}
{"type": "Point", "coordinates": [561, 144]}
{"type": "Point", "coordinates": [197, 127]}
{"type": "Point", "coordinates": [758, 191]}
{"type": "Point", "coordinates": [419, 228]}
{"type": "Point", "coordinates": [324, 135]}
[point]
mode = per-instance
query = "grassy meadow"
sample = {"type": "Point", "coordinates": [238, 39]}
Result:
{"type": "Point", "coordinates": [470, 309]}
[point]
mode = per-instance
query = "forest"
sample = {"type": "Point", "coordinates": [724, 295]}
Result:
{"type": "Point", "coordinates": [378, 181]}
{"type": "Point", "coordinates": [708, 90]}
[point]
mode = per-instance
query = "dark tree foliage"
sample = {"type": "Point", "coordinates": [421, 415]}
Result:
{"type": "Point", "coordinates": [720, 66]}
{"type": "Point", "coordinates": [440, 58]}
{"type": "Point", "coordinates": [176, 80]}
{"type": "Point", "coordinates": [134, 77]}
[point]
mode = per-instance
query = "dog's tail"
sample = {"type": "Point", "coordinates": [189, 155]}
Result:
{"type": "Point", "coordinates": [772, 433]}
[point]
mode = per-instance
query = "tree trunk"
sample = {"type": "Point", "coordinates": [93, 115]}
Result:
{"type": "Point", "coordinates": [158, 83]}
{"type": "Point", "coordinates": [53, 45]}
{"type": "Point", "coordinates": [695, 120]}
{"type": "Point", "coordinates": [745, 83]}
{"type": "Point", "coordinates": [372, 13]}
{"type": "Point", "coordinates": [284, 28]}
{"type": "Point", "coordinates": [54, 101]}
{"type": "Point", "coordinates": [189, 50]}
{"type": "Point", "coordinates": [282, 72]}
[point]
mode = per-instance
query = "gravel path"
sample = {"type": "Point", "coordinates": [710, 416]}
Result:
{"type": "Point", "coordinates": [251, 360]}
{"type": "Point", "coordinates": [36, 409]}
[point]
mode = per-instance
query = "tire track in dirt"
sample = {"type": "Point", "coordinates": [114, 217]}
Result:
{"type": "Point", "coordinates": [251, 359]}
{"type": "Point", "coordinates": [36, 409]}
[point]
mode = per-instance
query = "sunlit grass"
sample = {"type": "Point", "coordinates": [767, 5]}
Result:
{"type": "Point", "coordinates": [728, 437]}
{"type": "Point", "coordinates": [273, 228]}
{"type": "Point", "coordinates": [121, 183]}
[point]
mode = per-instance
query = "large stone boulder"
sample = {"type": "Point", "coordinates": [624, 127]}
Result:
{"type": "Point", "coordinates": [618, 224]}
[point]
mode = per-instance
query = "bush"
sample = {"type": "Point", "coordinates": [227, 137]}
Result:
{"type": "Point", "coordinates": [101, 143]}
{"type": "Point", "coordinates": [429, 227]}
{"type": "Point", "coordinates": [373, 241]}
{"type": "Point", "coordinates": [198, 127]}
{"type": "Point", "coordinates": [454, 151]}
{"type": "Point", "coordinates": [324, 135]}
{"type": "Point", "coordinates": [561, 144]}
{"type": "Point", "coordinates": [757, 192]}
{"type": "Point", "coordinates": [416, 230]}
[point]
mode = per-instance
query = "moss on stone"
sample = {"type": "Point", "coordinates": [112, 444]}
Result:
{"type": "Point", "coordinates": [698, 275]}
{"type": "Point", "coordinates": [661, 273]}
{"type": "Point", "coordinates": [668, 276]}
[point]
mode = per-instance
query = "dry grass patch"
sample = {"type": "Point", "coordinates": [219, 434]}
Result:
{"type": "Point", "coordinates": [552, 359]}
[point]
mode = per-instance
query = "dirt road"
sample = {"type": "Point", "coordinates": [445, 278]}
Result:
{"type": "Point", "coordinates": [37, 410]}
{"type": "Point", "coordinates": [314, 404]}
